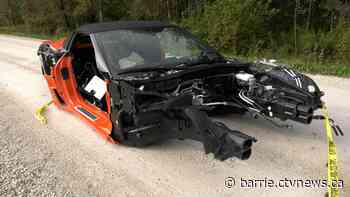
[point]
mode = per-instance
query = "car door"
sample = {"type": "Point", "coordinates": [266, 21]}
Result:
{"type": "Point", "coordinates": [66, 82]}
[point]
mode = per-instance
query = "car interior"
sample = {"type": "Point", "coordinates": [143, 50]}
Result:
{"type": "Point", "coordinates": [85, 69]}
{"type": "Point", "coordinates": [127, 51]}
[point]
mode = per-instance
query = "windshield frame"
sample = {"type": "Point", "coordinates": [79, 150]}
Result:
{"type": "Point", "coordinates": [115, 70]}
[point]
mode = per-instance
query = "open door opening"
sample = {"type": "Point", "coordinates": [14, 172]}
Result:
{"type": "Point", "coordinates": [90, 82]}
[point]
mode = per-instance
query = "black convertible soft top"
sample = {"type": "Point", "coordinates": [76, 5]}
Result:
{"type": "Point", "coordinates": [110, 26]}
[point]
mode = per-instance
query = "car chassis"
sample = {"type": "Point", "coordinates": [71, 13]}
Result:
{"type": "Point", "coordinates": [148, 105]}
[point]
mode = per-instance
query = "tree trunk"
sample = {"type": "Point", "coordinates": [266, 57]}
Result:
{"type": "Point", "coordinates": [100, 11]}
{"type": "Point", "coordinates": [169, 9]}
{"type": "Point", "coordinates": [295, 28]}
{"type": "Point", "coordinates": [309, 15]}
{"type": "Point", "coordinates": [63, 10]}
{"type": "Point", "coordinates": [10, 14]}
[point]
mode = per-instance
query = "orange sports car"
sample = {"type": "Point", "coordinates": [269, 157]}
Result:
{"type": "Point", "coordinates": [137, 83]}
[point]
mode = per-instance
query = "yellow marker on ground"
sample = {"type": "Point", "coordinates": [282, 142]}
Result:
{"type": "Point", "coordinates": [333, 190]}
{"type": "Point", "coordinates": [39, 113]}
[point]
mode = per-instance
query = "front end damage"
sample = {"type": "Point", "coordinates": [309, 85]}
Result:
{"type": "Point", "coordinates": [147, 117]}
{"type": "Point", "coordinates": [148, 107]}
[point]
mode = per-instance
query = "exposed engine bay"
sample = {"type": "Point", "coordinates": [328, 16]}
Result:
{"type": "Point", "coordinates": [172, 104]}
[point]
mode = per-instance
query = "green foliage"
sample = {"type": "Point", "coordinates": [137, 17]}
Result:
{"type": "Point", "coordinates": [316, 39]}
{"type": "Point", "coordinates": [84, 11]}
{"type": "Point", "coordinates": [343, 45]}
{"type": "Point", "coordinates": [234, 25]}
{"type": "Point", "coordinates": [42, 17]}
{"type": "Point", "coordinates": [115, 10]}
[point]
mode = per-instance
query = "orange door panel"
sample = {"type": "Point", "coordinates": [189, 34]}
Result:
{"type": "Point", "coordinates": [55, 90]}
{"type": "Point", "coordinates": [75, 103]}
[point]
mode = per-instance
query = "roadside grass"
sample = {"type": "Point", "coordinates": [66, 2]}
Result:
{"type": "Point", "coordinates": [340, 70]}
{"type": "Point", "coordinates": [21, 30]}
{"type": "Point", "coordinates": [334, 69]}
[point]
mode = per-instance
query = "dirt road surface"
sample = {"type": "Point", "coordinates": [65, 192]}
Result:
{"type": "Point", "coordinates": [67, 158]}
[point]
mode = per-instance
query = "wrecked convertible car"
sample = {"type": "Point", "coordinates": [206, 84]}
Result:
{"type": "Point", "coordinates": [138, 83]}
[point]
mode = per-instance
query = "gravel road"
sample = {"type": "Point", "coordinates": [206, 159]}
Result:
{"type": "Point", "coordinates": [67, 158]}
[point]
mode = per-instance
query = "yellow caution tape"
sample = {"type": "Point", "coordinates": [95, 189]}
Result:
{"type": "Point", "coordinates": [333, 190]}
{"type": "Point", "coordinates": [39, 113]}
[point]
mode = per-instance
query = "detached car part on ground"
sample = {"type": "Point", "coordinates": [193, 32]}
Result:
{"type": "Point", "coordinates": [138, 83]}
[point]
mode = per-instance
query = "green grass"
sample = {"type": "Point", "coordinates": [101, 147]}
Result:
{"type": "Point", "coordinates": [22, 31]}
{"type": "Point", "coordinates": [335, 69]}
{"type": "Point", "coordinates": [340, 70]}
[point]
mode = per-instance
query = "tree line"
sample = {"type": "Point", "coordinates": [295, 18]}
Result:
{"type": "Point", "coordinates": [316, 30]}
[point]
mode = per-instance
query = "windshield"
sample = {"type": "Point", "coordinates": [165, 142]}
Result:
{"type": "Point", "coordinates": [150, 48]}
